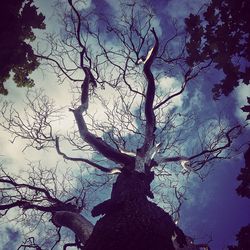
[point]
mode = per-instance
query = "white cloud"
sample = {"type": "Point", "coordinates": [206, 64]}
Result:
{"type": "Point", "coordinates": [196, 101]}
{"type": "Point", "coordinates": [16, 158]}
{"type": "Point", "coordinates": [82, 4]}
{"type": "Point", "coordinates": [180, 10]}
{"type": "Point", "coordinates": [240, 96]}
{"type": "Point", "coordinates": [167, 86]}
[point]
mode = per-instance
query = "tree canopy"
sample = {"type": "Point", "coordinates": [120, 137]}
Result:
{"type": "Point", "coordinates": [221, 34]}
{"type": "Point", "coordinates": [130, 141]}
{"type": "Point", "coordinates": [18, 18]}
{"type": "Point", "coordinates": [243, 238]}
{"type": "Point", "coordinates": [244, 176]}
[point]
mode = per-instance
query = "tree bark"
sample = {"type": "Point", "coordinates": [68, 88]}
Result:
{"type": "Point", "coordinates": [74, 221]}
{"type": "Point", "coordinates": [131, 221]}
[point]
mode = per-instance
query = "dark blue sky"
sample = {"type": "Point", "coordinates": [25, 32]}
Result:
{"type": "Point", "coordinates": [215, 210]}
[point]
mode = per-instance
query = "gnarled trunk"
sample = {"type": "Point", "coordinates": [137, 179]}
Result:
{"type": "Point", "coordinates": [131, 221]}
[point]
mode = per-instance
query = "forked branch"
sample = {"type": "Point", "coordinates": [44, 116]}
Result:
{"type": "Point", "coordinates": [149, 100]}
{"type": "Point", "coordinates": [91, 163]}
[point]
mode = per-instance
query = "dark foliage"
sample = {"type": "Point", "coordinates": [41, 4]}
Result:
{"type": "Point", "coordinates": [244, 176]}
{"type": "Point", "coordinates": [246, 108]}
{"type": "Point", "coordinates": [243, 238]}
{"type": "Point", "coordinates": [222, 34]}
{"type": "Point", "coordinates": [18, 18]}
{"type": "Point", "coordinates": [131, 221]}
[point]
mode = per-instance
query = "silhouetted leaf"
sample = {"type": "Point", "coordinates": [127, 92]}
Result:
{"type": "Point", "coordinates": [17, 19]}
{"type": "Point", "coordinates": [225, 39]}
{"type": "Point", "coordinates": [243, 238]}
{"type": "Point", "coordinates": [246, 108]}
{"type": "Point", "coordinates": [244, 188]}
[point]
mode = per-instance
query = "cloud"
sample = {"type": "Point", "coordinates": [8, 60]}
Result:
{"type": "Point", "coordinates": [82, 4]}
{"type": "Point", "coordinates": [167, 86]}
{"type": "Point", "coordinates": [240, 96]}
{"type": "Point", "coordinates": [9, 238]}
{"type": "Point", "coordinates": [180, 10]}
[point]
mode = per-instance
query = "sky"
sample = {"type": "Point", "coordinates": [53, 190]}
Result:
{"type": "Point", "coordinates": [212, 211]}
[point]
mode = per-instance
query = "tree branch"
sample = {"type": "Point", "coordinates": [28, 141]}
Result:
{"type": "Point", "coordinates": [150, 94]}
{"type": "Point", "coordinates": [36, 189]}
{"type": "Point", "coordinates": [144, 154]}
{"type": "Point", "coordinates": [227, 145]}
{"type": "Point", "coordinates": [185, 159]}
{"type": "Point", "coordinates": [64, 71]}
{"type": "Point", "coordinates": [98, 144]}
{"type": "Point", "coordinates": [93, 164]}
{"type": "Point", "coordinates": [188, 76]}
{"type": "Point", "coordinates": [76, 222]}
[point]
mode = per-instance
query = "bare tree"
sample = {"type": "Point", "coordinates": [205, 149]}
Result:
{"type": "Point", "coordinates": [139, 137]}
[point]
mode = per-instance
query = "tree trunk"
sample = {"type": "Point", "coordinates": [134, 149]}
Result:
{"type": "Point", "coordinates": [131, 221]}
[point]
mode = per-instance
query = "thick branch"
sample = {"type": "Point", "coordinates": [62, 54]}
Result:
{"type": "Point", "coordinates": [98, 144]}
{"type": "Point", "coordinates": [11, 205]}
{"type": "Point", "coordinates": [78, 29]}
{"type": "Point", "coordinates": [76, 222]}
{"type": "Point", "coordinates": [94, 141]}
{"type": "Point", "coordinates": [93, 164]}
{"type": "Point", "coordinates": [150, 94]}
